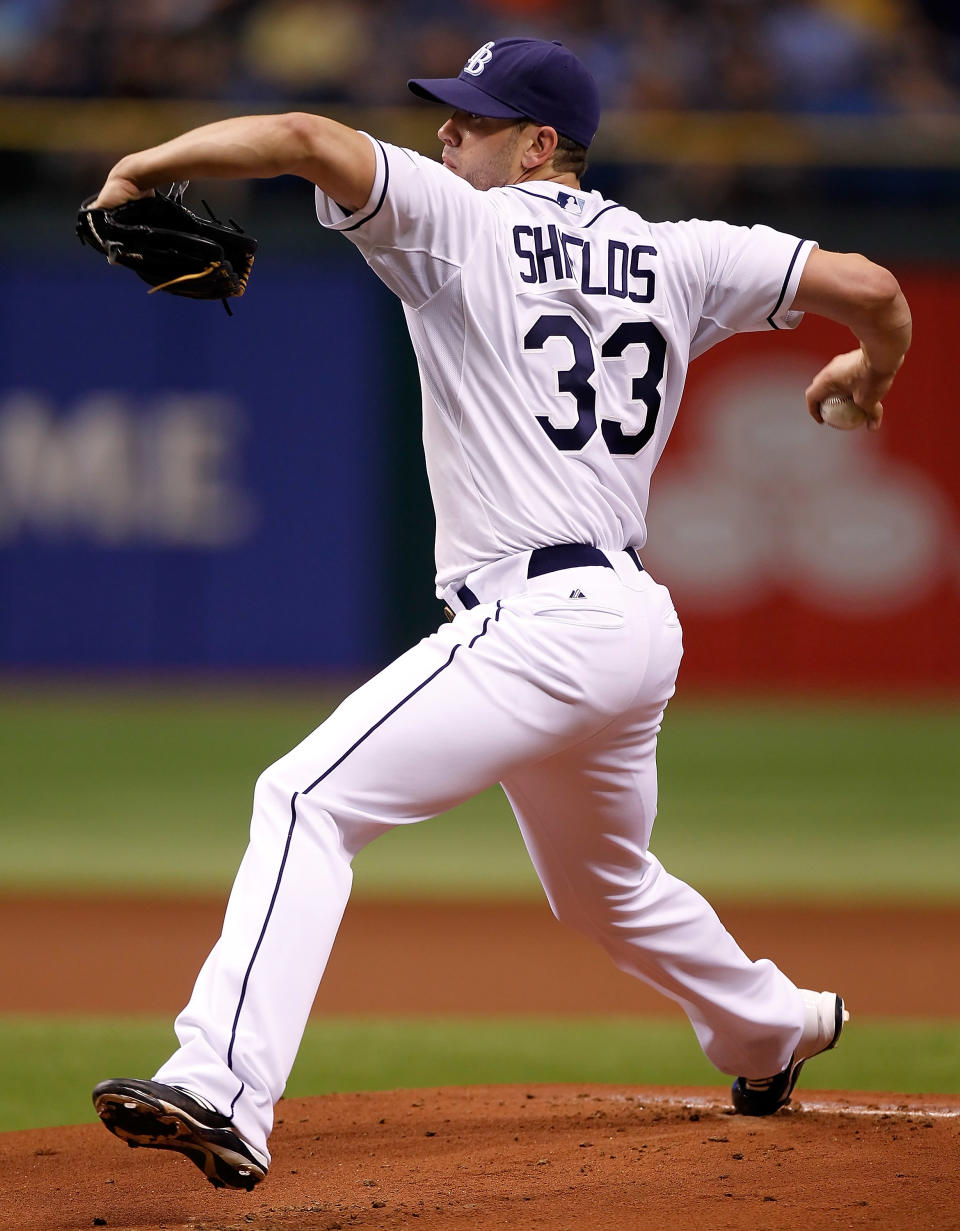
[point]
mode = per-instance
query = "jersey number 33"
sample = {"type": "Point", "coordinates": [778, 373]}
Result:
{"type": "Point", "coordinates": [575, 381]}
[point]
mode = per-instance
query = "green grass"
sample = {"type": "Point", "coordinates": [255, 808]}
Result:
{"type": "Point", "coordinates": [48, 1067]}
{"type": "Point", "coordinates": [151, 789]}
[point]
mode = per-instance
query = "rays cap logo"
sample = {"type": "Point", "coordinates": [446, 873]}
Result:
{"type": "Point", "coordinates": [522, 78]}
{"type": "Point", "coordinates": [479, 60]}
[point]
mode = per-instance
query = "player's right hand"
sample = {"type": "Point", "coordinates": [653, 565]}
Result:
{"type": "Point", "coordinates": [850, 375]}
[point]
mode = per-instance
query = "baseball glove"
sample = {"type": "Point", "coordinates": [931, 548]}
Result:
{"type": "Point", "coordinates": [172, 248]}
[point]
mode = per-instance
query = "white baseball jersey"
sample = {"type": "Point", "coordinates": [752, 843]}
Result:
{"type": "Point", "coordinates": [553, 330]}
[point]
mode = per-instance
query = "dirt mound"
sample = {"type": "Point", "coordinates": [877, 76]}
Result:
{"type": "Point", "coordinates": [556, 1158]}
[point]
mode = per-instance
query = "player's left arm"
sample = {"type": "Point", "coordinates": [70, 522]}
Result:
{"type": "Point", "coordinates": [853, 291]}
{"type": "Point", "coordinates": [338, 159]}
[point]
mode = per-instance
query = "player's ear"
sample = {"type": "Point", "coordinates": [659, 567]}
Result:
{"type": "Point", "coordinates": [541, 142]}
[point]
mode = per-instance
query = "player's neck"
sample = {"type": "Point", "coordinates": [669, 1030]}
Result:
{"type": "Point", "coordinates": [566, 178]}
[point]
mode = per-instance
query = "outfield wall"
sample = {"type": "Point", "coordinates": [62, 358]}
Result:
{"type": "Point", "coordinates": [182, 489]}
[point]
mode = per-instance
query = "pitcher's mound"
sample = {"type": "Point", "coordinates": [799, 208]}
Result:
{"type": "Point", "coordinates": [556, 1158]}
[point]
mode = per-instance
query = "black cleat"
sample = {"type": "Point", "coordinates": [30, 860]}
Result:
{"type": "Point", "coordinates": [825, 1016]}
{"type": "Point", "coordinates": [148, 1113]}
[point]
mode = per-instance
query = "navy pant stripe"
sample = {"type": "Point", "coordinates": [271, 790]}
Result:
{"type": "Point", "coordinates": [236, 1099]}
{"type": "Point", "coordinates": [496, 618]}
{"type": "Point", "coordinates": [263, 930]}
{"type": "Point", "coordinates": [293, 821]}
{"type": "Point", "coordinates": [379, 723]}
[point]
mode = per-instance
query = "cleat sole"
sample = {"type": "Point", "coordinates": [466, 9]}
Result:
{"type": "Point", "coordinates": [152, 1124]}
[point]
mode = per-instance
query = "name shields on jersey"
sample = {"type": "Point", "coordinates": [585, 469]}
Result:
{"type": "Point", "coordinates": [607, 266]}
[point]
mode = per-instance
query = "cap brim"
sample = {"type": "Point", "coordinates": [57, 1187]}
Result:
{"type": "Point", "coordinates": [462, 96]}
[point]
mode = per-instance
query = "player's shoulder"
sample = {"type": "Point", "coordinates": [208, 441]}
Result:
{"type": "Point", "coordinates": [685, 232]}
{"type": "Point", "coordinates": [707, 232]}
{"type": "Point", "coordinates": [703, 243]}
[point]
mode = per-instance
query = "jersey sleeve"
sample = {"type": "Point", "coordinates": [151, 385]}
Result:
{"type": "Point", "coordinates": [418, 226]}
{"type": "Point", "coordinates": [750, 279]}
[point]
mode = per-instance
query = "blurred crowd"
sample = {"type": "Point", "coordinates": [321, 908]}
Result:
{"type": "Point", "coordinates": [858, 56]}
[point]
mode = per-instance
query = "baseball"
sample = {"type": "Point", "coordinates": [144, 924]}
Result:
{"type": "Point", "coordinates": [842, 413]}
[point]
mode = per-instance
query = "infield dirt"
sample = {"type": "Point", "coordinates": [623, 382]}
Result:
{"type": "Point", "coordinates": [110, 955]}
{"type": "Point", "coordinates": [510, 1158]}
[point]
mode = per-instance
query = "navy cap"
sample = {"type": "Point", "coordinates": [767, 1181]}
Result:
{"type": "Point", "coordinates": [517, 78]}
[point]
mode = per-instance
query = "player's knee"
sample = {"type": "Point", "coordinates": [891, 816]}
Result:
{"type": "Point", "coordinates": [274, 791]}
{"type": "Point", "coordinates": [281, 799]}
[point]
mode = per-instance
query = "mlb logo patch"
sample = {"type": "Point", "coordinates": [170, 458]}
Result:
{"type": "Point", "coordinates": [573, 205]}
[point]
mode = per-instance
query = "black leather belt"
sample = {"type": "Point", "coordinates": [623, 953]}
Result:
{"type": "Point", "coordinates": [552, 560]}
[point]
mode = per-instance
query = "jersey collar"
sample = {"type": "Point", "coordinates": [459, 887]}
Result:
{"type": "Point", "coordinates": [548, 188]}
{"type": "Point", "coordinates": [572, 201]}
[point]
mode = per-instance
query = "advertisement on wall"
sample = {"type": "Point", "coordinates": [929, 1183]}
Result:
{"type": "Point", "coordinates": [801, 556]}
{"type": "Point", "coordinates": [179, 488]}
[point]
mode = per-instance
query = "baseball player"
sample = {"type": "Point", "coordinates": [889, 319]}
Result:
{"type": "Point", "coordinates": [553, 330]}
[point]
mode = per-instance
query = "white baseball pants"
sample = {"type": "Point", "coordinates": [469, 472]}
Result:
{"type": "Point", "coordinates": [554, 686]}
